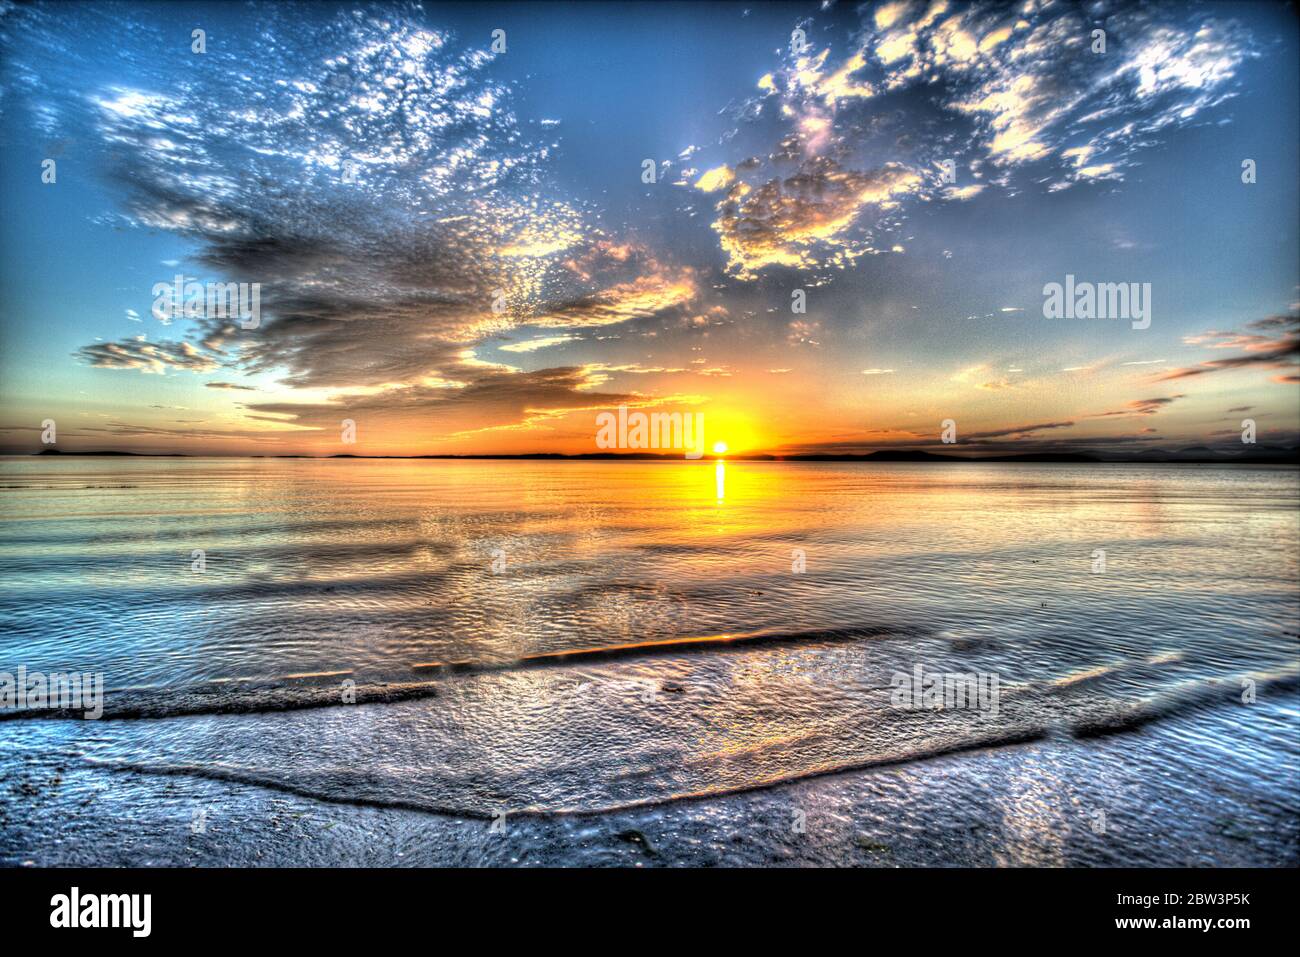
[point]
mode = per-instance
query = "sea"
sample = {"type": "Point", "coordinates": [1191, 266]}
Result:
{"type": "Point", "coordinates": [647, 663]}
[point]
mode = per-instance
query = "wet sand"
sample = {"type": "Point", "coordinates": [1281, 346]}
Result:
{"type": "Point", "coordinates": [1032, 804]}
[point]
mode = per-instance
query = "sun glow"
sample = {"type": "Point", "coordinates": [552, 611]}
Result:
{"type": "Point", "coordinates": [719, 448]}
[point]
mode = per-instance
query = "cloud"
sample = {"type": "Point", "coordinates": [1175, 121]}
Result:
{"type": "Point", "coordinates": [598, 373]}
{"type": "Point", "coordinates": [543, 342]}
{"type": "Point", "coordinates": [803, 219]}
{"type": "Point", "coordinates": [375, 181]}
{"type": "Point", "coordinates": [1035, 89]}
{"type": "Point", "coordinates": [493, 399]}
{"type": "Point", "coordinates": [150, 357]}
{"type": "Point", "coordinates": [1018, 431]}
{"type": "Point", "coordinates": [230, 385]}
{"type": "Point", "coordinates": [972, 374]}
{"type": "Point", "coordinates": [128, 430]}
{"type": "Point", "coordinates": [637, 299]}
{"type": "Point", "coordinates": [801, 332]}
{"type": "Point", "coordinates": [1142, 406]}
{"type": "Point", "coordinates": [1275, 344]}
{"type": "Point", "coordinates": [715, 179]}
{"type": "Point", "coordinates": [1003, 440]}
{"type": "Point", "coordinates": [989, 88]}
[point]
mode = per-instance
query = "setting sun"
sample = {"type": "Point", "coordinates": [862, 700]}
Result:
{"type": "Point", "coordinates": [719, 448]}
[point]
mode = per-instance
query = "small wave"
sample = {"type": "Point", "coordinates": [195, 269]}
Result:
{"type": "Point", "coordinates": [248, 695]}
{"type": "Point", "coordinates": [333, 789]}
{"type": "Point", "coordinates": [225, 696]}
{"type": "Point", "coordinates": [672, 646]}
{"type": "Point", "coordinates": [1188, 696]}
{"type": "Point", "coordinates": [1100, 672]}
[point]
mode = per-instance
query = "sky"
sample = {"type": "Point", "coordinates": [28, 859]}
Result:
{"type": "Point", "coordinates": [473, 228]}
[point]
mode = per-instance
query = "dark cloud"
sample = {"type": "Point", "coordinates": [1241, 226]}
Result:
{"type": "Point", "coordinates": [1142, 406]}
{"type": "Point", "coordinates": [378, 188]}
{"type": "Point", "coordinates": [1019, 431]}
{"type": "Point", "coordinates": [1014, 442]}
{"type": "Point", "coordinates": [493, 399]}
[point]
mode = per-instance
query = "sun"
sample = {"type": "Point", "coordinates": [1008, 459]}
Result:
{"type": "Point", "coordinates": [719, 448]}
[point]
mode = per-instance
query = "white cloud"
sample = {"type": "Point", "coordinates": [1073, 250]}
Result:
{"type": "Point", "coordinates": [544, 342]}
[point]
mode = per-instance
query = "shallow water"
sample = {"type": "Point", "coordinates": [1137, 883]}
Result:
{"type": "Point", "coordinates": [483, 689]}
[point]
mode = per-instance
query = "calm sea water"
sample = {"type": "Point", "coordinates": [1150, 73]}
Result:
{"type": "Point", "coordinates": [538, 638]}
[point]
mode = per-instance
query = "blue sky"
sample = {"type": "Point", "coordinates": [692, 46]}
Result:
{"type": "Point", "coordinates": [519, 172]}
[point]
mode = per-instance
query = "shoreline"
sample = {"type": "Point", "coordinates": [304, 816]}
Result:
{"type": "Point", "coordinates": [1013, 805]}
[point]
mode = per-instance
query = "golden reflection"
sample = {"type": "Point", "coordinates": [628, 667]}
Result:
{"type": "Point", "coordinates": [720, 473]}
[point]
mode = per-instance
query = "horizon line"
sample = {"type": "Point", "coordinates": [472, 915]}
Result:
{"type": "Point", "coordinates": [1188, 455]}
